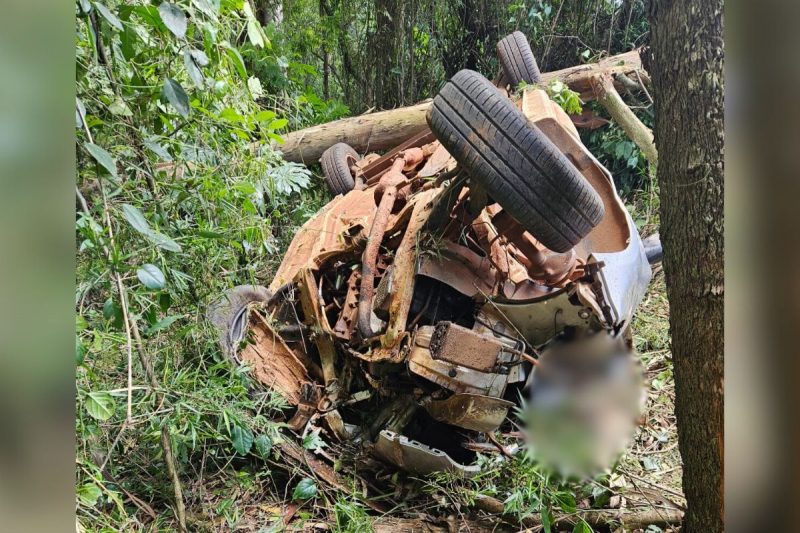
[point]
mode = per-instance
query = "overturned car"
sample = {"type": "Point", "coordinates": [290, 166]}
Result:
{"type": "Point", "coordinates": [410, 313]}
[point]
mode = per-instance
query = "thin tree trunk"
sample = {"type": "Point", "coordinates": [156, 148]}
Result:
{"type": "Point", "coordinates": [687, 48]}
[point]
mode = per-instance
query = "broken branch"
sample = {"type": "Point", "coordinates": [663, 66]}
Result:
{"type": "Point", "coordinates": [610, 99]}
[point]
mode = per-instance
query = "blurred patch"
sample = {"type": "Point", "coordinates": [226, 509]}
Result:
{"type": "Point", "coordinates": [584, 400]}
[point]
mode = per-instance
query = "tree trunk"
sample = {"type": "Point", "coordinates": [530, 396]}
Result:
{"type": "Point", "coordinates": [687, 48]}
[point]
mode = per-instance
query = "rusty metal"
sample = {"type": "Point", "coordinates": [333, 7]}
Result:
{"type": "Point", "coordinates": [542, 264]}
{"type": "Point", "coordinates": [470, 411]}
{"type": "Point", "coordinates": [347, 318]}
{"type": "Point", "coordinates": [373, 171]}
{"type": "Point", "coordinates": [390, 196]}
{"type": "Point", "coordinates": [376, 232]}
{"type": "Point", "coordinates": [272, 362]}
{"type": "Point", "coordinates": [457, 344]}
{"type": "Point", "coordinates": [453, 376]}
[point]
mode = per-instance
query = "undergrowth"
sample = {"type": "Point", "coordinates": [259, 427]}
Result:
{"type": "Point", "coordinates": [182, 193]}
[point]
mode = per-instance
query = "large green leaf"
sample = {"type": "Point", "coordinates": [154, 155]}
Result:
{"type": "Point", "coordinates": [263, 445]}
{"type": "Point", "coordinates": [151, 276]}
{"type": "Point", "coordinates": [195, 74]}
{"type": "Point", "coordinates": [236, 59]}
{"type": "Point", "coordinates": [199, 57]}
{"type": "Point", "coordinates": [88, 494]}
{"type": "Point", "coordinates": [109, 16]}
{"type": "Point", "coordinates": [581, 527]}
{"type": "Point", "coordinates": [305, 490]}
{"type": "Point", "coordinates": [103, 157]}
{"type": "Point", "coordinates": [173, 18]}
{"type": "Point", "coordinates": [175, 95]}
{"type": "Point", "coordinates": [163, 242]}
{"type": "Point", "coordinates": [242, 439]}
{"type": "Point", "coordinates": [136, 219]}
{"type": "Point", "coordinates": [100, 405]}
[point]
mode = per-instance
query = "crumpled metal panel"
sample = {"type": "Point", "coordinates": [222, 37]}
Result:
{"type": "Point", "coordinates": [541, 319]}
{"type": "Point", "coordinates": [625, 276]}
{"type": "Point", "coordinates": [417, 457]}
{"type": "Point", "coordinates": [470, 411]}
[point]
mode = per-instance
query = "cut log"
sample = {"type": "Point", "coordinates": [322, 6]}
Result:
{"type": "Point", "coordinates": [386, 129]}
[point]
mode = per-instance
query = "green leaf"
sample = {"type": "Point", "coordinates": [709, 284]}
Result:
{"type": "Point", "coordinates": [89, 494]}
{"type": "Point", "coordinates": [103, 157]}
{"type": "Point", "coordinates": [312, 441]}
{"type": "Point", "coordinates": [100, 405]}
{"type": "Point", "coordinates": [80, 351]}
{"type": "Point", "coordinates": [136, 219]}
{"type": "Point", "coordinates": [174, 93]}
{"type": "Point", "coordinates": [278, 124]}
{"type": "Point", "coordinates": [547, 520]}
{"type": "Point", "coordinates": [195, 74]}
{"type": "Point", "coordinates": [567, 502]}
{"type": "Point", "coordinates": [305, 490]}
{"type": "Point", "coordinates": [265, 116]}
{"type": "Point", "coordinates": [162, 324]}
{"type": "Point", "coordinates": [119, 107]}
{"type": "Point", "coordinates": [245, 188]}
{"type": "Point", "coordinates": [151, 277]}
{"type": "Point", "coordinates": [173, 18]}
{"type": "Point", "coordinates": [236, 59]}
{"type": "Point", "coordinates": [582, 527]}
{"type": "Point", "coordinates": [254, 33]}
{"type": "Point", "coordinates": [263, 445]}
{"type": "Point", "coordinates": [242, 439]}
{"type": "Point", "coordinates": [163, 242]}
{"type": "Point", "coordinates": [111, 311]}
{"type": "Point", "coordinates": [109, 16]}
{"type": "Point", "coordinates": [154, 146]}
{"type": "Point", "coordinates": [199, 57]}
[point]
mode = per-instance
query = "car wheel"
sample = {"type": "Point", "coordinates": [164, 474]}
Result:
{"type": "Point", "coordinates": [228, 314]}
{"type": "Point", "coordinates": [336, 162]}
{"type": "Point", "coordinates": [516, 58]}
{"type": "Point", "coordinates": [514, 161]}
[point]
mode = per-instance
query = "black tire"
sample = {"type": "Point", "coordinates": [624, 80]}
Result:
{"type": "Point", "coordinates": [336, 162]}
{"type": "Point", "coordinates": [516, 58]}
{"type": "Point", "coordinates": [228, 314]}
{"type": "Point", "coordinates": [514, 161]}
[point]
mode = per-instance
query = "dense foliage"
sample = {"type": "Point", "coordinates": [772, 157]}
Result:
{"type": "Point", "coordinates": [182, 192]}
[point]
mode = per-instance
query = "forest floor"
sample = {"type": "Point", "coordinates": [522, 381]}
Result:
{"type": "Point", "coordinates": [646, 478]}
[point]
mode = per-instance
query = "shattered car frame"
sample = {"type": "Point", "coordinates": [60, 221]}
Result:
{"type": "Point", "coordinates": [408, 314]}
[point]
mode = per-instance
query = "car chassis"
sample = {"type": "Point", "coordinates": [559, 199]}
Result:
{"type": "Point", "coordinates": [408, 314]}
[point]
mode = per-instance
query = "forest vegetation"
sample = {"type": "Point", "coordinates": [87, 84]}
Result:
{"type": "Point", "coordinates": [182, 192]}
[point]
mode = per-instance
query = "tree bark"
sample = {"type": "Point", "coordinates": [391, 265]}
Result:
{"type": "Point", "coordinates": [687, 73]}
{"type": "Point", "coordinates": [386, 129]}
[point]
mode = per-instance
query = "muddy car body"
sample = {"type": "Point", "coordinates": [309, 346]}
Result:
{"type": "Point", "coordinates": [409, 312]}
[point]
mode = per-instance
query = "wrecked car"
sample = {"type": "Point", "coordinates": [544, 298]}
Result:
{"type": "Point", "coordinates": [411, 311]}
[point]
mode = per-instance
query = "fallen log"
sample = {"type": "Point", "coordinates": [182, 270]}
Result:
{"type": "Point", "coordinates": [386, 129]}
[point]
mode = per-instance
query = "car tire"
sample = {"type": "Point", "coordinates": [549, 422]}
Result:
{"type": "Point", "coordinates": [228, 314]}
{"type": "Point", "coordinates": [517, 60]}
{"type": "Point", "coordinates": [514, 161]}
{"type": "Point", "coordinates": [336, 162]}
